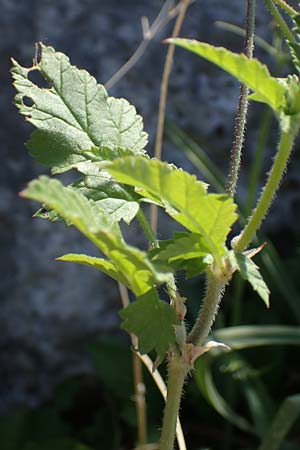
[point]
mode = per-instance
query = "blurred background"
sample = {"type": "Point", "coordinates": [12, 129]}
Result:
{"type": "Point", "coordinates": [65, 367]}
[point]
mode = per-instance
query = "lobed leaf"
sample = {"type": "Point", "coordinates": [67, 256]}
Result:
{"type": "Point", "coordinates": [250, 272]}
{"type": "Point", "coordinates": [74, 114]}
{"type": "Point", "coordinates": [152, 321]}
{"type": "Point", "coordinates": [100, 227]}
{"type": "Point", "coordinates": [182, 195]}
{"type": "Point", "coordinates": [250, 72]}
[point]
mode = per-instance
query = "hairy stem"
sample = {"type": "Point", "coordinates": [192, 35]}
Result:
{"type": "Point", "coordinates": [240, 124]}
{"type": "Point", "coordinates": [213, 296]}
{"type": "Point", "coordinates": [280, 162]}
{"type": "Point", "coordinates": [286, 7]}
{"type": "Point", "coordinates": [163, 97]}
{"type": "Point", "coordinates": [163, 390]}
{"type": "Point", "coordinates": [280, 21]}
{"type": "Point", "coordinates": [177, 372]}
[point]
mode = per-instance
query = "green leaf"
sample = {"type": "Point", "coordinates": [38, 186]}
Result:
{"type": "Point", "coordinates": [250, 272]}
{"type": "Point", "coordinates": [182, 195]}
{"type": "Point", "coordinates": [250, 72]}
{"type": "Point", "coordinates": [74, 114]}
{"type": "Point", "coordinates": [185, 246]}
{"type": "Point", "coordinates": [248, 336]}
{"type": "Point", "coordinates": [99, 227]}
{"type": "Point", "coordinates": [285, 418]}
{"type": "Point", "coordinates": [115, 199]}
{"type": "Point", "coordinates": [104, 265]}
{"type": "Point", "coordinates": [205, 382]}
{"type": "Point", "coordinates": [152, 321]}
{"type": "Point", "coordinates": [186, 251]}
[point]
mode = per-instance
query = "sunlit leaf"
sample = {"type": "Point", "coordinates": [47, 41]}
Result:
{"type": "Point", "coordinates": [104, 265]}
{"type": "Point", "coordinates": [251, 72]}
{"type": "Point", "coordinates": [74, 114]}
{"type": "Point", "coordinates": [182, 195]}
{"type": "Point", "coordinates": [100, 227]}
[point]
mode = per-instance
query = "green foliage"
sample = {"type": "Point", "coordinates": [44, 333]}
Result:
{"type": "Point", "coordinates": [243, 338]}
{"type": "Point", "coordinates": [286, 416]}
{"type": "Point", "coordinates": [97, 225]}
{"type": "Point", "coordinates": [152, 320]}
{"type": "Point", "coordinates": [251, 72]}
{"type": "Point", "coordinates": [250, 272]}
{"type": "Point", "coordinates": [184, 198]}
{"type": "Point", "coordinates": [188, 251]}
{"type": "Point", "coordinates": [78, 126]}
{"type": "Point", "coordinates": [74, 115]}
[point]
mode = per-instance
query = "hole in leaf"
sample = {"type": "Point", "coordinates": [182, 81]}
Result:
{"type": "Point", "coordinates": [27, 101]}
{"type": "Point", "coordinates": [38, 54]}
{"type": "Point", "coordinates": [37, 78]}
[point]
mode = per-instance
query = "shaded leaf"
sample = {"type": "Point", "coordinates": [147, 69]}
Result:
{"type": "Point", "coordinates": [251, 72]}
{"type": "Point", "coordinates": [74, 114]}
{"type": "Point", "coordinates": [186, 251]}
{"type": "Point", "coordinates": [205, 382]}
{"type": "Point", "coordinates": [152, 321]}
{"type": "Point", "coordinates": [285, 418]}
{"type": "Point", "coordinates": [247, 336]}
{"type": "Point", "coordinates": [250, 272]}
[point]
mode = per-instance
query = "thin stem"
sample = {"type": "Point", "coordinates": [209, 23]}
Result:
{"type": "Point", "coordinates": [139, 396]}
{"type": "Point", "coordinates": [177, 372]}
{"type": "Point", "coordinates": [164, 16]}
{"type": "Point", "coordinates": [240, 124]}
{"type": "Point", "coordinates": [280, 162]}
{"type": "Point", "coordinates": [139, 386]}
{"type": "Point", "coordinates": [213, 296]}
{"type": "Point", "coordinates": [280, 21]}
{"type": "Point", "coordinates": [163, 97]}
